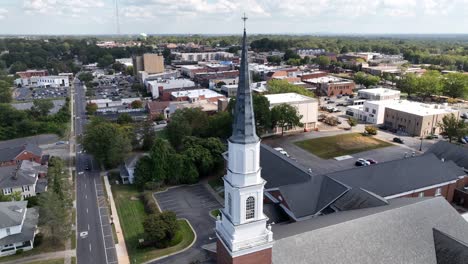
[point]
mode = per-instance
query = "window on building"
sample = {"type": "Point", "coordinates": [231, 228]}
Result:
{"type": "Point", "coordinates": [374, 111]}
{"type": "Point", "coordinates": [229, 204]}
{"type": "Point", "coordinates": [8, 231]}
{"type": "Point", "coordinates": [438, 192]}
{"type": "Point", "coordinates": [250, 208]}
{"type": "Point", "coordinates": [367, 109]}
{"type": "Point", "coordinates": [421, 194]}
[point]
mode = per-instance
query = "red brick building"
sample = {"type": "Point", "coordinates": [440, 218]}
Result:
{"type": "Point", "coordinates": [14, 155]}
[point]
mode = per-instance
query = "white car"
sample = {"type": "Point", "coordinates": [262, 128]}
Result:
{"type": "Point", "coordinates": [282, 151]}
{"type": "Point", "coordinates": [364, 161]}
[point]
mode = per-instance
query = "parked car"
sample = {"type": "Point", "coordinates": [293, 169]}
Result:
{"type": "Point", "coordinates": [464, 115]}
{"type": "Point", "coordinates": [330, 102]}
{"type": "Point", "coordinates": [336, 110]}
{"type": "Point", "coordinates": [362, 163]}
{"type": "Point", "coordinates": [282, 151]}
{"type": "Point", "coordinates": [398, 140]}
{"type": "Point", "coordinates": [372, 161]}
{"type": "Point", "coordinates": [432, 136]}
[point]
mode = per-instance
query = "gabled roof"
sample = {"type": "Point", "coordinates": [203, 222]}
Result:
{"type": "Point", "coordinates": [309, 198]}
{"type": "Point", "coordinates": [448, 151]}
{"type": "Point", "coordinates": [28, 229]}
{"type": "Point", "coordinates": [401, 232]}
{"type": "Point", "coordinates": [357, 198]}
{"type": "Point", "coordinates": [399, 176]}
{"type": "Point", "coordinates": [17, 176]}
{"type": "Point", "coordinates": [9, 154]}
{"type": "Point", "coordinates": [449, 250]}
{"type": "Point", "coordinates": [278, 170]}
{"type": "Point", "coordinates": [12, 213]}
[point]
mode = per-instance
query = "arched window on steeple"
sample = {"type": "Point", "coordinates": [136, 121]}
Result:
{"type": "Point", "coordinates": [229, 204]}
{"type": "Point", "coordinates": [250, 208]}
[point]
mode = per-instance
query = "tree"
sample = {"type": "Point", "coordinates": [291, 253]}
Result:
{"type": "Point", "coordinates": [177, 131]}
{"type": "Point", "coordinates": [161, 228]}
{"type": "Point", "coordinates": [149, 135]}
{"type": "Point", "coordinates": [274, 59]}
{"type": "Point", "coordinates": [455, 85]}
{"type": "Point", "coordinates": [453, 127]}
{"type": "Point", "coordinates": [137, 104]}
{"type": "Point", "coordinates": [371, 130]}
{"type": "Point", "coordinates": [118, 67]}
{"type": "Point", "coordinates": [285, 116]}
{"type": "Point", "coordinates": [366, 79]}
{"type": "Point", "coordinates": [42, 107]}
{"type": "Point", "coordinates": [124, 118]}
{"type": "Point", "coordinates": [54, 217]}
{"type": "Point", "coordinates": [429, 84]}
{"type": "Point", "coordinates": [86, 77]}
{"type": "Point", "coordinates": [105, 61]}
{"type": "Point", "coordinates": [220, 84]}
{"type": "Point", "coordinates": [282, 86]}
{"type": "Point", "coordinates": [290, 54]}
{"type": "Point", "coordinates": [262, 113]}
{"type": "Point", "coordinates": [91, 108]}
{"type": "Point", "coordinates": [108, 142]}
{"type": "Point", "coordinates": [5, 92]}
{"type": "Point", "coordinates": [323, 61]}
{"type": "Point", "coordinates": [352, 122]}
{"type": "Point", "coordinates": [220, 125]}
{"type": "Point", "coordinates": [408, 83]}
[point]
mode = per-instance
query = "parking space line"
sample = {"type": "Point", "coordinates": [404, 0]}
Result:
{"type": "Point", "coordinates": [100, 219]}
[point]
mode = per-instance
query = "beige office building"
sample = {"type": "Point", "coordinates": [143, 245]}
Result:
{"type": "Point", "coordinates": [416, 119]}
{"type": "Point", "coordinates": [150, 63]}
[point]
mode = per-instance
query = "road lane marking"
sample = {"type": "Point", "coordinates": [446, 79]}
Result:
{"type": "Point", "coordinates": [86, 196]}
{"type": "Point", "coordinates": [86, 210]}
{"type": "Point", "coordinates": [89, 247]}
{"type": "Point", "coordinates": [85, 185]}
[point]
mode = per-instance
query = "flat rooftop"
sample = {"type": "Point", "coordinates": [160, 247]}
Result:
{"type": "Point", "coordinates": [287, 98]}
{"type": "Point", "coordinates": [379, 91]}
{"type": "Point", "coordinates": [328, 79]}
{"type": "Point", "coordinates": [197, 93]}
{"type": "Point", "coordinates": [420, 109]}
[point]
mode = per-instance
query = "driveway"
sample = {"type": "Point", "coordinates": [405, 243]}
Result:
{"type": "Point", "coordinates": [194, 203]}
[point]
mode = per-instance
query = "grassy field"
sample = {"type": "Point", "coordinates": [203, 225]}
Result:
{"type": "Point", "coordinates": [50, 261]}
{"type": "Point", "coordinates": [46, 246]}
{"type": "Point", "coordinates": [132, 214]}
{"type": "Point", "coordinates": [340, 145]}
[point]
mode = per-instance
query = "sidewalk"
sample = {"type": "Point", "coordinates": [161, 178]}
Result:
{"type": "Point", "coordinates": [122, 254]}
{"type": "Point", "coordinates": [45, 256]}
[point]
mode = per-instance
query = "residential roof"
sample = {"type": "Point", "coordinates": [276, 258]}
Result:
{"type": "Point", "coordinates": [448, 151]}
{"type": "Point", "coordinates": [277, 170]}
{"type": "Point", "coordinates": [28, 230]}
{"type": "Point", "coordinates": [12, 213]}
{"type": "Point", "coordinates": [17, 176]}
{"type": "Point", "coordinates": [399, 176]}
{"type": "Point", "coordinates": [155, 106]}
{"type": "Point", "coordinates": [401, 232]}
{"type": "Point", "coordinates": [288, 98]}
{"type": "Point", "coordinates": [8, 154]}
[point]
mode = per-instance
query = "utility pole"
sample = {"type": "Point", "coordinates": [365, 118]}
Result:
{"type": "Point", "coordinates": [117, 16]}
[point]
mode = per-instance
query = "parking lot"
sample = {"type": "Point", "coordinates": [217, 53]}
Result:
{"type": "Point", "coordinates": [26, 106]}
{"type": "Point", "coordinates": [194, 203]}
{"type": "Point", "coordinates": [113, 87]}
{"type": "Point", "coordinates": [27, 93]}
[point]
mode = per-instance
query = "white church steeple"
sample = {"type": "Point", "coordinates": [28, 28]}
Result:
{"type": "Point", "coordinates": [242, 229]}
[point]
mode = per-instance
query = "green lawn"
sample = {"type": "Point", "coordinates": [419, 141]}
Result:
{"type": "Point", "coordinates": [132, 214]}
{"type": "Point", "coordinates": [340, 145]}
{"type": "Point", "coordinates": [50, 261]}
{"type": "Point", "coordinates": [46, 246]}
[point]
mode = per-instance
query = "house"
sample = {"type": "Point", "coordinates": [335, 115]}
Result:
{"type": "Point", "coordinates": [416, 119]}
{"type": "Point", "coordinates": [127, 169]}
{"type": "Point", "coordinates": [21, 178]}
{"type": "Point", "coordinates": [18, 227]}
{"type": "Point", "coordinates": [13, 155]}
{"type": "Point", "coordinates": [307, 107]}
{"type": "Point", "coordinates": [155, 109]}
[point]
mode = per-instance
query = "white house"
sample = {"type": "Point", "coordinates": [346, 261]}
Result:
{"type": "Point", "coordinates": [20, 178]}
{"type": "Point", "coordinates": [306, 106]}
{"type": "Point", "coordinates": [127, 169]}
{"type": "Point", "coordinates": [18, 225]}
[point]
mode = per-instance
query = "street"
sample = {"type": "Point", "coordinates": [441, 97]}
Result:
{"type": "Point", "coordinates": [94, 234]}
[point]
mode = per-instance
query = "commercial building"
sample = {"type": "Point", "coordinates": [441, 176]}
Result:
{"type": "Point", "coordinates": [32, 73]}
{"type": "Point", "coordinates": [158, 87]}
{"type": "Point", "coordinates": [18, 227]}
{"type": "Point", "coordinates": [391, 69]}
{"type": "Point", "coordinates": [306, 106]}
{"type": "Point", "coordinates": [229, 90]}
{"type": "Point", "coordinates": [14, 155]}
{"type": "Point", "coordinates": [196, 95]}
{"type": "Point", "coordinates": [332, 86]}
{"type": "Point", "coordinates": [372, 112]}
{"type": "Point", "coordinates": [208, 106]}
{"type": "Point", "coordinates": [379, 94]}
{"type": "Point", "coordinates": [149, 63]}
{"type": "Point", "coordinates": [415, 118]}
{"type": "Point", "coordinates": [191, 70]}
{"type": "Point", "coordinates": [203, 56]}
{"type": "Point", "coordinates": [51, 81]}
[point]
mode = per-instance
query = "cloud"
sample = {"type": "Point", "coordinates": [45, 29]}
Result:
{"type": "Point", "coordinates": [3, 13]}
{"type": "Point", "coordinates": [61, 7]}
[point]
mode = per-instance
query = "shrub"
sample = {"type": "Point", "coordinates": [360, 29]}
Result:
{"type": "Point", "coordinates": [38, 239]}
{"type": "Point", "coordinates": [152, 186]}
{"type": "Point", "coordinates": [161, 228]}
{"type": "Point", "coordinates": [149, 203]}
{"type": "Point", "coordinates": [352, 122]}
{"type": "Point", "coordinates": [331, 120]}
{"type": "Point", "coordinates": [19, 251]}
{"type": "Point", "coordinates": [32, 201]}
{"type": "Point", "coordinates": [371, 130]}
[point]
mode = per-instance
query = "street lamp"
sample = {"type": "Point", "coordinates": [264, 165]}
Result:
{"type": "Point", "coordinates": [420, 146]}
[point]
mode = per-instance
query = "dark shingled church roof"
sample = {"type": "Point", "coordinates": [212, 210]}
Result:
{"type": "Point", "coordinates": [448, 151]}
{"type": "Point", "coordinates": [243, 127]}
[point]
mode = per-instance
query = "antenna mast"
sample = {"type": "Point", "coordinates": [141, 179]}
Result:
{"type": "Point", "coordinates": [117, 16]}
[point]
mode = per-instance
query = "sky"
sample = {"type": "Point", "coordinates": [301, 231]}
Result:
{"type": "Point", "coordinates": [223, 16]}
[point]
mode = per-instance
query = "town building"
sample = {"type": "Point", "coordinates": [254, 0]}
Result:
{"type": "Point", "coordinates": [32, 73]}
{"type": "Point", "coordinates": [145, 77]}
{"type": "Point", "coordinates": [163, 87]}
{"type": "Point", "coordinates": [332, 86]}
{"type": "Point", "coordinates": [379, 94]}
{"type": "Point", "coordinates": [14, 155]}
{"type": "Point", "coordinates": [51, 81]}
{"type": "Point", "coordinates": [203, 56]}
{"type": "Point", "coordinates": [214, 83]}
{"type": "Point", "coordinates": [127, 169]}
{"type": "Point", "coordinates": [149, 63]}
{"type": "Point", "coordinates": [372, 112]}
{"type": "Point", "coordinates": [307, 107]}
{"type": "Point", "coordinates": [416, 119]}
{"type": "Point", "coordinates": [18, 227]}
{"type": "Point", "coordinates": [391, 69]}
{"type": "Point", "coordinates": [196, 95]}
{"type": "Point", "coordinates": [204, 79]}
{"type": "Point", "coordinates": [205, 105]}
{"type": "Point", "coordinates": [128, 62]}
{"type": "Point", "coordinates": [158, 108]}
{"type": "Point", "coordinates": [191, 70]}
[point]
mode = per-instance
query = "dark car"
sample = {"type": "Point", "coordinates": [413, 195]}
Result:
{"type": "Point", "coordinates": [360, 163]}
{"type": "Point", "coordinates": [330, 102]}
{"type": "Point", "coordinates": [398, 140]}
{"type": "Point", "coordinates": [372, 161]}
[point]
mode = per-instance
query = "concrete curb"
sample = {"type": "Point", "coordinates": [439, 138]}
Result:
{"type": "Point", "coordinates": [180, 251]}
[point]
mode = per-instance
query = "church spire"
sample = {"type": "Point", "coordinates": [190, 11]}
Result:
{"type": "Point", "coordinates": [243, 128]}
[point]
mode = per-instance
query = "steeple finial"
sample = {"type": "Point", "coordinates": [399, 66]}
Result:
{"type": "Point", "coordinates": [245, 19]}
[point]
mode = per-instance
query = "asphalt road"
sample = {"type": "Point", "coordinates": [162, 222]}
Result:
{"type": "Point", "coordinates": [194, 203]}
{"type": "Point", "coordinates": [97, 246]}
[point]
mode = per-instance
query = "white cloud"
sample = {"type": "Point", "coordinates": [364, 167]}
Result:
{"type": "Point", "coordinates": [3, 13]}
{"type": "Point", "coordinates": [61, 7]}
